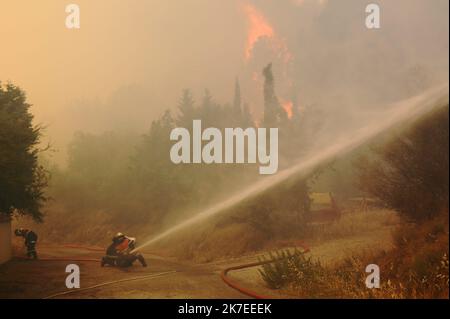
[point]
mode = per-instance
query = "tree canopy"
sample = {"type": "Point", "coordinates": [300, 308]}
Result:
{"type": "Point", "coordinates": [22, 179]}
{"type": "Point", "coordinates": [410, 173]}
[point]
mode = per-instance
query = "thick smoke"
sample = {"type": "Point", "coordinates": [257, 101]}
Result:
{"type": "Point", "coordinates": [130, 61]}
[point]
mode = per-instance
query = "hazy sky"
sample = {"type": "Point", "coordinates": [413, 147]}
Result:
{"type": "Point", "coordinates": [131, 59]}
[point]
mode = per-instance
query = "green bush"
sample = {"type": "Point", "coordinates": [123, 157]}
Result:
{"type": "Point", "coordinates": [285, 267]}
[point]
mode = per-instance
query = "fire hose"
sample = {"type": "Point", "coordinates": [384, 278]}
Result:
{"type": "Point", "coordinates": [66, 258]}
{"type": "Point", "coordinates": [91, 248]}
{"type": "Point", "coordinates": [96, 249]}
{"type": "Point", "coordinates": [110, 283]}
{"type": "Point", "coordinates": [247, 291]}
{"type": "Point", "coordinates": [223, 275]}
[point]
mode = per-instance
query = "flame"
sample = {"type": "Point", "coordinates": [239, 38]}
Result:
{"type": "Point", "coordinates": [258, 28]}
{"type": "Point", "coordinates": [288, 108]}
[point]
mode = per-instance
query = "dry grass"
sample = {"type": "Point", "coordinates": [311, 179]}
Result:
{"type": "Point", "coordinates": [208, 243]}
{"type": "Point", "coordinates": [418, 267]}
{"type": "Point", "coordinates": [93, 227]}
{"type": "Point", "coordinates": [353, 224]}
{"type": "Point", "coordinates": [354, 231]}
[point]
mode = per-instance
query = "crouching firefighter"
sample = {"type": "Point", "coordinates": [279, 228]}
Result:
{"type": "Point", "coordinates": [121, 252]}
{"type": "Point", "coordinates": [30, 241]}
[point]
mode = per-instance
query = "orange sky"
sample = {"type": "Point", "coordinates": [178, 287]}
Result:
{"type": "Point", "coordinates": [119, 43]}
{"type": "Point", "coordinates": [146, 52]}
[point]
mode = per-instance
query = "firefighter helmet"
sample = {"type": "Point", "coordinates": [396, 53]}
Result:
{"type": "Point", "coordinates": [118, 237]}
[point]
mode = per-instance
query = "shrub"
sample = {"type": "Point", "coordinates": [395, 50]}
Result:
{"type": "Point", "coordinates": [287, 266]}
{"type": "Point", "coordinates": [411, 174]}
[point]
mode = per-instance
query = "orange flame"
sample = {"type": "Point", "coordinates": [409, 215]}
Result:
{"type": "Point", "coordinates": [288, 108]}
{"type": "Point", "coordinates": [258, 28]}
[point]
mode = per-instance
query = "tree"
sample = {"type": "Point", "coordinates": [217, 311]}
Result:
{"type": "Point", "coordinates": [247, 119]}
{"type": "Point", "coordinates": [411, 174]}
{"type": "Point", "coordinates": [237, 100]}
{"type": "Point", "coordinates": [22, 179]}
{"type": "Point", "coordinates": [208, 109]}
{"type": "Point", "coordinates": [159, 185]}
{"type": "Point", "coordinates": [186, 108]}
{"type": "Point", "coordinates": [273, 112]}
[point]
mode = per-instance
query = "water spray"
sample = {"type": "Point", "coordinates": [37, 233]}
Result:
{"type": "Point", "coordinates": [398, 113]}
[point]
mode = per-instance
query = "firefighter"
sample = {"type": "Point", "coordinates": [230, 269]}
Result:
{"type": "Point", "coordinates": [120, 253]}
{"type": "Point", "coordinates": [30, 241]}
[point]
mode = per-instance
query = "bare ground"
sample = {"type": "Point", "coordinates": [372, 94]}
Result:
{"type": "Point", "coordinates": [38, 279]}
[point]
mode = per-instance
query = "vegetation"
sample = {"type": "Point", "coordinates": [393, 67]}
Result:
{"type": "Point", "coordinates": [22, 179]}
{"type": "Point", "coordinates": [411, 173]}
{"type": "Point", "coordinates": [417, 267]}
{"type": "Point", "coordinates": [289, 267]}
{"type": "Point", "coordinates": [132, 178]}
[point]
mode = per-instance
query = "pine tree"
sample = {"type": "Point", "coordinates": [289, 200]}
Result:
{"type": "Point", "coordinates": [186, 108]}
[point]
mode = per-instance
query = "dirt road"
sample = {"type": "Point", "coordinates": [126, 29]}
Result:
{"type": "Point", "coordinates": [166, 277]}
{"type": "Point", "coordinates": [38, 279]}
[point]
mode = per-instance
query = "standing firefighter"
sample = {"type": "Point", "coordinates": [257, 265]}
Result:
{"type": "Point", "coordinates": [121, 252]}
{"type": "Point", "coordinates": [30, 241]}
